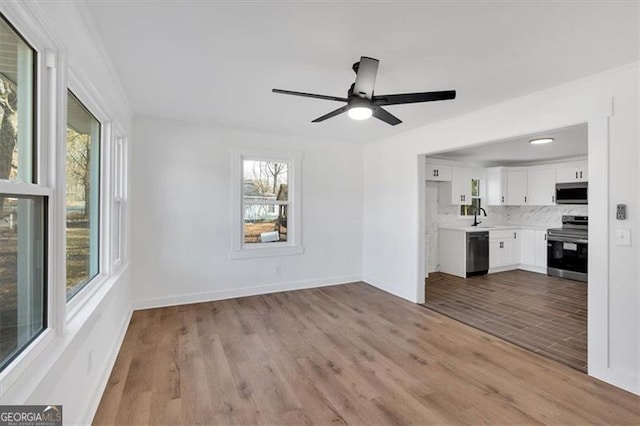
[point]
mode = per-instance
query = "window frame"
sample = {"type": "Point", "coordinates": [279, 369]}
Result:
{"type": "Point", "coordinates": [84, 283]}
{"type": "Point", "coordinates": [45, 85]}
{"type": "Point", "coordinates": [480, 197]}
{"type": "Point", "coordinates": [293, 245]}
{"type": "Point", "coordinates": [81, 91]}
{"type": "Point", "coordinates": [119, 197]}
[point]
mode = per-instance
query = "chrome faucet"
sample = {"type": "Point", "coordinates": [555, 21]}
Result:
{"type": "Point", "coordinates": [475, 216]}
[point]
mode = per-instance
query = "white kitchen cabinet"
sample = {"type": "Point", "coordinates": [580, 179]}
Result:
{"type": "Point", "coordinates": [541, 250]}
{"type": "Point", "coordinates": [459, 189]}
{"type": "Point", "coordinates": [577, 173]}
{"type": "Point", "coordinates": [496, 186]}
{"type": "Point", "coordinates": [534, 250]}
{"type": "Point", "coordinates": [528, 247]}
{"type": "Point", "coordinates": [541, 187]}
{"type": "Point", "coordinates": [452, 252]}
{"type": "Point", "coordinates": [504, 249]}
{"type": "Point", "coordinates": [517, 187]}
{"type": "Point", "coordinates": [438, 172]}
{"type": "Point", "coordinates": [460, 185]}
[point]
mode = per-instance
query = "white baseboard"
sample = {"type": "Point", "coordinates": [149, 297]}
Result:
{"type": "Point", "coordinates": [184, 299]}
{"type": "Point", "coordinates": [503, 269]}
{"type": "Point", "coordinates": [389, 288]}
{"type": "Point", "coordinates": [96, 396]}
{"type": "Point", "coordinates": [622, 379]}
{"type": "Point", "coordinates": [530, 268]}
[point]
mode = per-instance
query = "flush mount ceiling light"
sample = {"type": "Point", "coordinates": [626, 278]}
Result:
{"type": "Point", "coordinates": [360, 113]}
{"type": "Point", "coordinates": [540, 141]}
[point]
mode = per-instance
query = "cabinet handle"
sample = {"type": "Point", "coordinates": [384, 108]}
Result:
{"type": "Point", "coordinates": [515, 236]}
{"type": "Point", "coordinates": [434, 173]}
{"type": "Point", "coordinates": [580, 175]}
{"type": "Point", "coordinates": [553, 198]}
{"type": "Point", "coordinates": [502, 199]}
{"type": "Point", "coordinates": [525, 198]}
{"type": "Point", "coordinates": [545, 237]}
{"type": "Point", "coordinates": [576, 175]}
{"type": "Point", "coordinates": [501, 244]}
{"type": "Point", "coordinates": [437, 172]}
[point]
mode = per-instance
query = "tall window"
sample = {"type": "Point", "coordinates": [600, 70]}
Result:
{"type": "Point", "coordinates": [23, 207]}
{"type": "Point", "coordinates": [265, 201]}
{"type": "Point", "coordinates": [82, 170]}
{"type": "Point", "coordinates": [476, 200]}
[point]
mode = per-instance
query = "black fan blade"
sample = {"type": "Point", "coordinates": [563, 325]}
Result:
{"type": "Point", "coordinates": [366, 77]}
{"type": "Point", "coordinates": [411, 98]}
{"type": "Point", "coordinates": [331, 114]}
{"type": "Point", "coordinates": [386, 116]}
{"type": "Point", "coordinates": [309, 95]}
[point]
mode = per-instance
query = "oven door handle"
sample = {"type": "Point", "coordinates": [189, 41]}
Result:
{"type": "Point", "coordinates": [567, 240]}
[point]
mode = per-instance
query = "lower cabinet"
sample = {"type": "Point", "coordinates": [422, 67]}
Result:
{"type": "Point", "coordinates": [504, 249]}
{"type": "Point", "coordinates": [534, 250]}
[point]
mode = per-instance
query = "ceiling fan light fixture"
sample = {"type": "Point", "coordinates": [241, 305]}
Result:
{"type": "Point", "coordinates": [360, 113]}
{"type": "Point", "coordinates": [540, 141]}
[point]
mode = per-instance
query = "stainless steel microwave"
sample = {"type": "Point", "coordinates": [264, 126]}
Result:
{"type": "Point", "coordinates": [572, 193]}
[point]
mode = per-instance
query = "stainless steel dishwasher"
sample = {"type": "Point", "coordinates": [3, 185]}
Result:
{"type": "Point", "coordinates": [477, 253]}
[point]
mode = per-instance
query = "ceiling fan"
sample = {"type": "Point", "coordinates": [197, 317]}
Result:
{"type": "Point", "coordinates": [361, 102]}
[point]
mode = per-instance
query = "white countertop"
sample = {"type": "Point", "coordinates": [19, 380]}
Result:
{"type": "Point", "coordinates": [483, 227]}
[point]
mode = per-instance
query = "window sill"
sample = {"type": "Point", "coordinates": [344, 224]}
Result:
{"type": "Point", "coordinates": [250, 253]}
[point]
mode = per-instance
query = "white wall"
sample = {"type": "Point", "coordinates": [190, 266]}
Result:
{"type": "Point", "coordinates": [393, 257]}
{"type": "Point", "coordinates": [74, 367]}
{"type": "Point", "coordinates": [182, 215]}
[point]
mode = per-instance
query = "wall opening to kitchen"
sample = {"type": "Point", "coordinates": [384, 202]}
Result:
{"type": "Point", "coordinates": [506, 241]}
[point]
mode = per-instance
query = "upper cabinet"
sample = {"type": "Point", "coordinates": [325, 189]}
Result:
{"type": "Point", "coordinates": [496, 186]}
{"type": "Point", "coordinates": [577, 173]}
{"type": "Point", "coordinates": [438, 172]}
{"type": "Point", "coordinates": [460, 185]}
{"type": "Point", "coordinates": [541, 184]}
{"type": "Point", "coordinates": [517, 181]}
{"type": "Point", "coordinates": [456, 182]}
{"type": "Point", "coordinates": [528, 186]}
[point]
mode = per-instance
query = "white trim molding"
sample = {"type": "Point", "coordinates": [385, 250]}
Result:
{"type": "Point", "coordinates": [293, 245]}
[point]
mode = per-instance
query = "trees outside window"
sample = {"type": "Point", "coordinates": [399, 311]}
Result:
{"type": "Point", "coordinates": [82, 170]}
{"type": "Point", "coordinates": [23, 208]}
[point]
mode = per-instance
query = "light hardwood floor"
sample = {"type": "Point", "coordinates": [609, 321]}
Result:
{"type": "Point", "coordinates": [347, 354]}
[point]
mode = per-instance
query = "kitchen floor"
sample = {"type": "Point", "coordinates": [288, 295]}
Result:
{"type": "Point", "coordinates": [544, 314]}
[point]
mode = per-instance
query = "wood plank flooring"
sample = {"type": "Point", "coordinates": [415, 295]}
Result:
{"type": "Point", "coordinates": [546, 315]}
{"type": "Point", "coordinates": [347, 354]}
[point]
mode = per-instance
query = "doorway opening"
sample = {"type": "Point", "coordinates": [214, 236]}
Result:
{"type": "Point", "coordinates": [504, 252]}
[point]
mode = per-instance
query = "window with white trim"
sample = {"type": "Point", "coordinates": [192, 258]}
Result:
{"type": "Point", "coordinates": [119, 199]}
{"type": "Point", "coordinates": [23, 200]}
{"type": "Point", "coordinates": [476, 200]}
{"type": "Point", "coordinates": [82, 170]}
{"type": "Point", "coordinates": [266, 207]}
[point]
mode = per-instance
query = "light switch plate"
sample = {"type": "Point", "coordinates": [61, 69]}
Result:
{"type": "Point", "coordinates": [623, 237]}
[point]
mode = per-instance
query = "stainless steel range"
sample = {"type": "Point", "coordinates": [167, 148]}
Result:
{"type": "Point", "coordinates": [567, 248]}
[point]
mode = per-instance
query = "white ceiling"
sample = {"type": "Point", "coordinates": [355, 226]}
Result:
{"type": "Point", "coordinates": [216, 62]}
{"type": "Point", "coordinates": [569, 142]}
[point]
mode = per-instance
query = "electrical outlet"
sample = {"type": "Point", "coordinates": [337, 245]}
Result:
{"type": "Point", "coordinates": [621, 211]}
